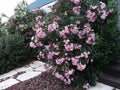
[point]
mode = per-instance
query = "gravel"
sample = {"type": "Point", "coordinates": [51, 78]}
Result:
{"type": "Point", "coordinates": [45, 81]}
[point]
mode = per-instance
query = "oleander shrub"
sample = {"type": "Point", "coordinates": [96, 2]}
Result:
{"type": "Point", "coordinates": [14, 52]}
{"type": "Point", "coordinates": [79, 38]}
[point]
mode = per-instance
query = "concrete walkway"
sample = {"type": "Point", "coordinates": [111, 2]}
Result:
{"type": "Point", "coordinates": [22, 74]}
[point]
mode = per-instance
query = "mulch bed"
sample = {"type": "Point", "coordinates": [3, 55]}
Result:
{"type": "Point", "coordinates": [45, 81]}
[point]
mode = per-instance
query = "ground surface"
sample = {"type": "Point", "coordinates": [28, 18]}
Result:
{"type": "Point", "coordinates": [45, 81]}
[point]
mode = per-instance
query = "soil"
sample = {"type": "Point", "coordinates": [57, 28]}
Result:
{"type": "Point", "coordinates": [45, 81]}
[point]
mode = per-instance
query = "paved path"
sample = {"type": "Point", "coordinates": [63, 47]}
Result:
{"type": "Point", "coordinates": [22, 74]}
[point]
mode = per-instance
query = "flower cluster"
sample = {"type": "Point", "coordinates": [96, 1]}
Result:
{"type": "Point", "coordinates": [98, 12]}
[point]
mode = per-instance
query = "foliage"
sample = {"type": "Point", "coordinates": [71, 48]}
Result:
{"type": "Point", "coordinates": [14, 52]}
{"type": "Point", "coordinates": [79, 37]}
{"type": "Point", "coordinates": [23, 20]}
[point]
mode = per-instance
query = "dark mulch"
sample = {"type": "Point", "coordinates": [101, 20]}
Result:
{"type": "Point", "coordinates": [45, 81]}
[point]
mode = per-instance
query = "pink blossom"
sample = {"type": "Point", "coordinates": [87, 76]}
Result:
{"type": "Point", "coordinates": [81, 67]}
{"type": "Point", "coordinates": [74, 30]}
{"type": "Point", "coordinates": [75, 1]}
{"type": "Point", "coordinates": [76, 10]}
{"type": "Point", "coordinates": [62, 34]}
{"type": "Point", "coordinates": [66, 30]}
{"type": "Point", "coordinates": [77, 46]}
{"type": "Point", "coordinates": [102, 5]}
{"type": "Point", "coordinates": [36, 39]}
{"type": "Point", "coordinates": [32, 45]}
{"type": "Point", "coordinates": [50, 56]}
{"type": "Point", "coordinates": [74, 61]}
{"type": "Point", "coordinates": [69, 72]}
{"type": "Point", "coordinates": [59, 76]}
{"type": "Point", "coordinates": [86, 28]}
{"type": "Point", "coordinates": [40, 23]}
{"type": "Point", "coordinates": [91, 39]}
{"type": "Point", "coordinates": [91, 16]}
{"type": "Point", "coordinates": [39, 44]}
{"type": "Point", "coordinates": [55, 45]}
{"type": "Point", "coordinates": [86, 54]}
{"type": "Point", "coordinates": [41, 54]}
{"type": "Point", "coordinates": [59, 61]}
{"type": "Point", "coordinates": [37, 18]}
{"type": "Point", "coordinates": [110, 11]}
{"type": "Point", "coordinates": [67, 81]}
{"type": "Point", "coordinates": [81, 34]}
{"type": "Point", "coordinates": [36, 27]}
{"type": "Point", "coordinates": [78, 22]}
{"type": "Point", "coordinates": [86, 86]}
{"type": "Point", "coordinates": [41, 34]}
{"type": "Point", "coordinates": [56, 53]}
{"type": "Point", "coordinates": [104, 15]}
{"type": "Point", "coordinates": [52, 27]}
{"type": "Point", "coordinates": [69, 47]}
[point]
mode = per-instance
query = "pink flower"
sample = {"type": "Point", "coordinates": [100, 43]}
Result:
{"type": "Point", "coordinates": [76, 10]}
{"type": "Point", "coordinates": [40, 23]}
{"type": "Point", "coordinates": [36, 27]}
{"type": "Point", "coordinates": [81, 34]}
{"type": "Point", "coordinates": [91, 39]}
{"type": "Point", "coordinates": [78, 22]}
{"type": "Point", "coordinates": [50, 56]}
{"type": "Point", "coordinates": [69, 47]}
{"type": "Point", "coordinates": [86, 86]}
{"type": "Point", "coordinates": [59, 76]}
{"type": "Point", "coordinates": [39, 44]}
{"type": "Point", "coordinates": [37, 18]}
{"type": "Point", "coordinates": [74, 30]}
{"type": "Point", "coordinates": [55, 45]}
{"type": "Point", "coordinates": [41, 34]}
{"type": "Point", "coordinates": [87, 28]}
{"type": "Point", "coordinates": [104, 15]}
{"type": "Point", "coordinates": [64, 32]}
{"type": "Point", "coordinates": [91, 16]}
{"type": "Point", "coordinates": [52, 27]}
{"type": "Point", "coordinates": [32, 45]}
{"type": "Point", "coordinates": [59, 61]}
{"type": "Point", "coordinates": [56, 53]}
{"type": "Point", "coordinates": [41, 54]}
{"type": "Point", "coordinates": [69, 72]}
{"type": "Point", "coordinates": [81, 67]}
{"type": "Point", "coordinates": [74, 61]}
{"type": "Point", "coordinates": [75, 1]}
{"type": "Point", "coordinates": [66, 41]}
{"type": "Point", "coordinates": [77, 46]}
{"type": "Point", "coordinates": [110, 11]}
{"type": "Point", "coordinates": [86, 54]}
{"type": "Point", "coordinates": [102, 5]}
